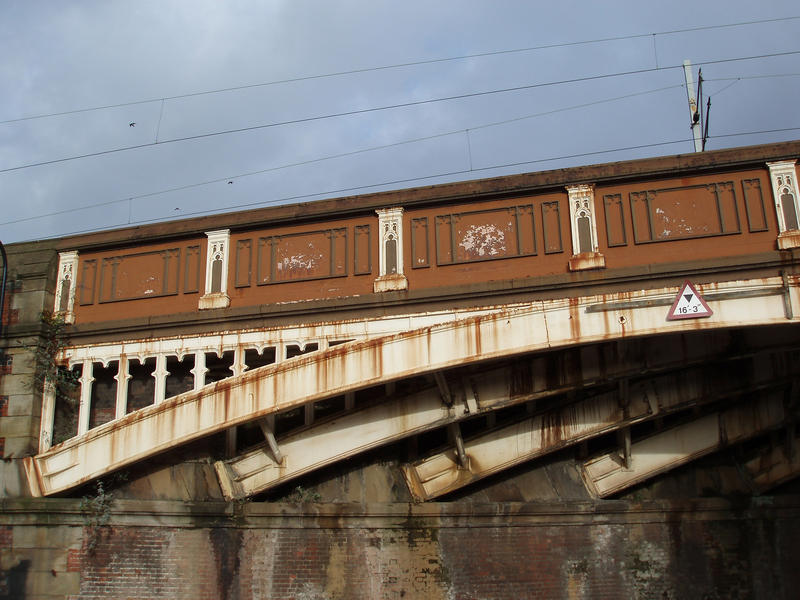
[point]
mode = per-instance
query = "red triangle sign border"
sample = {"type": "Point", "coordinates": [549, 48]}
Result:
{"type": "Point", "coordinates": [674, 315]}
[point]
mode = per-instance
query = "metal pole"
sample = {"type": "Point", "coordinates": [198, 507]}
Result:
{"type": "Point", "coordinates": [3, 285]}
{"type": "Point", "coordinates": [694, 114]}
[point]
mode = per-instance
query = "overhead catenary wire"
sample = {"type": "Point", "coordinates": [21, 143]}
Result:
{"type": "Point", "coordinates": [403, 65]}
{"type": "Point", "coordinates": [327, 193]}
{"type": "Point", "coordinates": [382, 108]}
{"type": "Point", "coordinates": [341, 155]}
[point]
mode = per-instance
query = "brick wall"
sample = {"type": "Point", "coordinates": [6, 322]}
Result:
{"type": "Point", "coordinates": [702, 549]}
{"type": "Point", "coordinates": [707, 560]}
{"type": "Point", "coordinates": [10, 316]}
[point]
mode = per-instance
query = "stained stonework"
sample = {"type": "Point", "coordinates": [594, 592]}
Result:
{"type": "Point", "coordinates": [710, 548]}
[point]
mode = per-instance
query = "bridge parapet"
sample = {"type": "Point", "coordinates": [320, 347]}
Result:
{"type": "Point", "coordinates": [480, 236]}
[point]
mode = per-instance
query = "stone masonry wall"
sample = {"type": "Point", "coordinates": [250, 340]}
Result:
{"type": "Point", "coordinates": [613, 549]}
{"type": "Point", "coordinates": [29, 291]}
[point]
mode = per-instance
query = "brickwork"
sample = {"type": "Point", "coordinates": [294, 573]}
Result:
{"type": "Point", "coordinates": [727, 556]}
{"type": "Point", "coordinates": [74, 560]}
{"type": "Point", "coordinates": [6, 363]}
{"type": "Point", "coordinates": [10, 315]}
{"type": "Point", "coordinates": [5, 537]}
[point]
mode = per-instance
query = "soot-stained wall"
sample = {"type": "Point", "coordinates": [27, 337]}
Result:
{"type": "Point", "coordinates": [615, 549]}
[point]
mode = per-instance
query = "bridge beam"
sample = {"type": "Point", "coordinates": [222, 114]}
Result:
{"type": "Point", "coordinates": [651, 397]}
{"type": "Point", "coordinates": [774, 464]}
{"type": "Point", "coordinates": [541, 325]}
{"type": "Point", "coordinates": [606, 475]}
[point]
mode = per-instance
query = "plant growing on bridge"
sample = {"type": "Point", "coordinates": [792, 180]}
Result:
{"type": "Point", "coordinates": [96, 509]}
{"type": "Point", "coordinates": [301, 494]}
{"type": "Point", "coordinates": [52, 341]}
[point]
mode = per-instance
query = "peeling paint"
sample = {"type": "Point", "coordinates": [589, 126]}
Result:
{"type": "Point", "coordinates": [483, 241]}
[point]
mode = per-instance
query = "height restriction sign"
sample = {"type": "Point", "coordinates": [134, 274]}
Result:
{"type": "Point", "coordinates": [688, 305]}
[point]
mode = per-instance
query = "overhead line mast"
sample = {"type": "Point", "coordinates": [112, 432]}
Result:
{"type": "Point", "coordinates": [694, 113]}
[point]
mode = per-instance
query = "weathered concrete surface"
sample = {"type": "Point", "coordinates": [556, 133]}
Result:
{"type": "Point", "coordinates": [348, 367]}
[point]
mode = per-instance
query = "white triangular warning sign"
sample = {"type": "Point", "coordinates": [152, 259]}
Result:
{"type": "Point", "coordinates": [688, 304]}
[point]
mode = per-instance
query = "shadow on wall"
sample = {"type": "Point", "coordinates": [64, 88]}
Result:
{"type": "Point", "coordinates": [12, 582]}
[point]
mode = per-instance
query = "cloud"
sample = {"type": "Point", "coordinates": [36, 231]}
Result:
{"type": "Point", "coordinates": [68, 56]}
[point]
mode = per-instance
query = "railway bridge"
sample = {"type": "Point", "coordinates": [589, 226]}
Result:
{"type": "Point", "coordinates": [622, 328]}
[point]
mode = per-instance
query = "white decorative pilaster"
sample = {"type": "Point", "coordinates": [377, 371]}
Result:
{"type": "Point", "coordinates": [200, 369]}
{"type": "Point", "coordinates": [65, 288]}
{"type": "Point", "coordinates": [122, 377]}
{"type": "Point", "coordinates": [390, 250]}
{"type": "Point", "coordinates": [217, 258]}
{"type": "Point", "coordinates": [86, 396]}
{"type": "Point", "coordinates": [239, 366]}
{"type": "Point", "coordinates": [48, 416]}
{"type": "Point", "coordinates": [583, 225]}
{"type": "Point", "coordinates": [160, 375]}
{"type": "Point", "coordinates": [785, 195]}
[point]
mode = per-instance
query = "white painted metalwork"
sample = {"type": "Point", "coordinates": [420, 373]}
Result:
{"type": "Point", "coordinates": [390, 250]}
{"type": "Point", "coordinates": [217, 253]}
{"type": "Point", "coordinates": [253, 395]}
{"type": "Point", "coordinates": [67, 275]}
{"type": "Point", "coordinates": [783, 176]}
{"type": "Point", "coordinates": [582, 218]}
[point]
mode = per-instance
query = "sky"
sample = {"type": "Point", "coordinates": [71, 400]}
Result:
{"type": "Point", "coordinates": [120, 113]}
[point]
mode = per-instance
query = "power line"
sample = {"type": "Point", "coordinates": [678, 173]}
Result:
{"type": "Point", "coordinates": [341, 155]}
{"type": "Point", "coordinates": [362, 187]}
{"type": "Point", "coordinates": [397, 66]}
{"type": "Point", "coordinates": [412, 179]}
{"type": "Point", "coordinates": [771, 76]}
{"type": "Point", "coordinates": [386, 107]}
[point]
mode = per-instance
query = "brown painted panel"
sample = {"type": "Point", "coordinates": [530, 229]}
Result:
{"type": "Point", "coordinates": [191, 273]}
{"type": "Point", "coordinates": [264, 263]}
{"type": "Point", "coordinates": [139, 275]}
{"type": "Point", "coordinates": [444, 240]}
{"type": "Point", "coordinates": [614, 214]}
{"type": "Point", "coordinates": [551, 225]}
{"type": "Point", "coordinates": [87, 282]}
{"type": "Point", "coordinates": [525, 229]}
{"type": "Point", "coordinates": [754, 205]}
{"type": "Point", "coordinates": [172, 270]}
{"type": "Point", "coordinates": [420, 244]}
{"type": "Point", "coordinates": [303, 256]}
{"type": "Point", "coordinates": [751, 191]}
{"type": "Point", "coordinates": [126, 271]}
{"type": "Point", "coordinates": [640, 210]}
{"type": "Point", "coordinates": [339, 252]}
{"type": "Point", "coordinates": [545, 230]}
{"type": "Point", "coordinates": [362, 250]}
{"type": "Point", "coordinates": [728, 207]}
{"type": "Point", "coordinates": [485, 235]}
{"type": "Point", "coordinates": [480, 235]}
{"type": "Point", "coordinates": [108, 277]}
{"type": "Point", "coordinates": [525, 258]}
{"type": "Point", "coordinates": [683, 212]}
{"type": "Point", "coordinates": [243, 262]}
